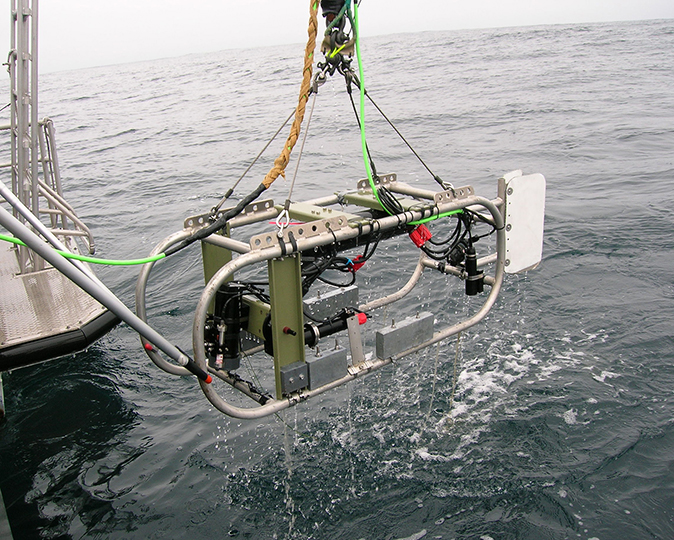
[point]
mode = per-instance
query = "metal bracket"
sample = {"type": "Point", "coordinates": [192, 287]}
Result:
{"type": "Point", "coordinates": [443, 197]}
{"type": "Point", "coordinates": [355, 341]}
{"type": "Point", "coordinates": [381, 180]}
{"type": "Point", "coordinates": [294, 377]}
{"type": "Point", "coordinates": [305, 230]}
{"type": "Point", "coordinates": [310, 212]}
{"type": "Point", "coordinates": [200, 220]}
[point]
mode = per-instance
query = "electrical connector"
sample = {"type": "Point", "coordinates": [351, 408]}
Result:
{"type": "Point", "coordinates": [420, 234]}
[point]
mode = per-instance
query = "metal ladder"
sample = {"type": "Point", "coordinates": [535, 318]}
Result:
{"type": "Point", "coordinates": [33, 141]}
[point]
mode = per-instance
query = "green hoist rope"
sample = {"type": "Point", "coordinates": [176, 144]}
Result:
{"type": "Point", "coordinates": [362, 108]}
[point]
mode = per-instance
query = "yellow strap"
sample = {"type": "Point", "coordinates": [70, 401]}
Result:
{"type": "Point", "coordinates": [335, 51]}
{"type": "Point", "coordinates": [282, 161]}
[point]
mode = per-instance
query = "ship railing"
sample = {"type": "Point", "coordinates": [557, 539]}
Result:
{"type": "Point", "coordinates": [53, 207]}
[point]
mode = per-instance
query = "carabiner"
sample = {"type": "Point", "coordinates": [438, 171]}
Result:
{"type": "Point", "coordinates": [282, 221]}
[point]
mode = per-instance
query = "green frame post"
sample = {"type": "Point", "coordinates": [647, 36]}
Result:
{"type": "Point", "coordinates": [285, 291]}
{"type": "Point", "coordinates": [213, 258]}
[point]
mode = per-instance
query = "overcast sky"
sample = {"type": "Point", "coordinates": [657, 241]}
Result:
{"type": "Point", "coordinates": [84, 33]}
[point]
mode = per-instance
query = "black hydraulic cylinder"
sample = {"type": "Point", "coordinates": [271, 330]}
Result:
{"type": "Point", "coordinates": [474, 278]}
{"type": "Point", "coordinates": [312, 331]}
{"type": "Point", "coordinates": [229, 311]}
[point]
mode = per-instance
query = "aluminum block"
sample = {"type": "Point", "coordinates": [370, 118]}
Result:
{"type": "Point", "coordinates": [403, 335]}
{"type": "Point", "coordinates": [294, 377]}
{"type": "Point", "coordinates": [329, 303]}
{"type": "Point", "coordinates": [329, 366]}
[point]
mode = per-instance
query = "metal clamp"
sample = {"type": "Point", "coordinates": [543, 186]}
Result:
{"type": "Point", "coordinates": [453, 194]}
{"type": "Point", "coordinates": [304, 230]}
{"type": "Point", "coordinates": [381, 180]}
{"type": "Point", "coordinates": [194, 222]}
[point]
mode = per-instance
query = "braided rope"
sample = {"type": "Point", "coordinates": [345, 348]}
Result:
{"type": "Point", "coordinates": [282, 161]}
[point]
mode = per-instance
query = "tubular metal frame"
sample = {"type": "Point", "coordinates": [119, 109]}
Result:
{"type": "Point", "coordinates": [248, 257]}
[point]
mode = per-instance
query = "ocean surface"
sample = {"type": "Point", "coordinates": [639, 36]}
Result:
{"type": "Point", "coordinates": [561, 424]}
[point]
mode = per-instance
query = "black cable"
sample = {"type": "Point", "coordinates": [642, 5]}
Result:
{"type": "Point", "coordinates": [217, 224]}
{"type": "Point", "coordinates": [460, 239]}
{"type": "Point", "coordinates": [435, 176]}
{"type": "Point", "coordinates": [387, 199]}
{"type": "Point", "coordinates": [334, 284]}
{"type": "Point", "coordinates": [227, 195]}
{"type": "Point", "coordinates": [480, 217]}
{"type": "Point", "coordinates": [457, 230]}
{"type": "Point", "coordinates": [355, 112]}
{"type": "Point", "coordinates": [366, 256]}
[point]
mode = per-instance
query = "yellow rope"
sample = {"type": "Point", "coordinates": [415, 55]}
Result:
{"type": "Point", "coordinates": [282, 161]}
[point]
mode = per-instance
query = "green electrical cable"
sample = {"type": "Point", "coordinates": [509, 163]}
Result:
{"type": "Point", "coordinates": [432, 218]}
{"type": "Point", "coordinates": [362, 108]}
{"type": "Point", "coordinates": [92, 260]}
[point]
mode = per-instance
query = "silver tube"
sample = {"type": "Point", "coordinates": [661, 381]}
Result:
{"type": "Point", "coordinates": [406, 189]}
{"type": "Point", "coordinates": [46, 173]}
{"type": "Point", "coordinates": [435, 265]}
{"type": "Point", "coordinates": [452, 270]}
{"type": "Point", "coordinates": [404, 290]}
{"type": "Point", "coordinates": [16, 203]}
{"type": "Point", "coordinates": [246, 219]}
{"type": "Point", "coordinates": [66, 211]}
{"type": "Point", "coordinates": [22, 117]}
{"type": "Point", "coordinates": [51, 145]}
{"type": "Point", "coordinates": [493, 294]}
{"type": "Point", "coordinates": [57, 197]}
{"type": "Point", "coordinates": [227, 243]}
{"type": "Point", "coordinates": [228, 270]}
{"type": "Point", "coordinates": [324, 201]}
{"type": "Point", "coordinates": [141, 286]}
{"type": "Point", "coordinates": [34, 127]}
{"type": "Point", "coordinates": [488, 259]}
